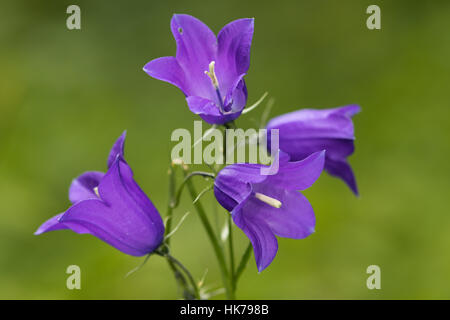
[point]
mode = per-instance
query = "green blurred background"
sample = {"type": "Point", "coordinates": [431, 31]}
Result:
{"type": "Point", "coordinates": [65, 96]}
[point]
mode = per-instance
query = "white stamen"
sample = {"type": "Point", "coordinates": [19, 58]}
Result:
{"type": "Point", "coordinates": [266, 199]}
{"type": "Point", "coordinates": [96, 192]}
{"type": "Point", "coordinates": [212, 74]}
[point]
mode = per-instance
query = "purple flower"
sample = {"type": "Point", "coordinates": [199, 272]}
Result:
{"type": "Point", "coordinates": [112, 207]}
{"type": "Point", "coordinates": [207, 69]}
{"type": "Point", "coordinates": [306, 131]}
{"type": "Point", "coordinates": [267, 205]}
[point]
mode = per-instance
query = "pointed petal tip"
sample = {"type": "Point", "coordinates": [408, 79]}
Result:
{"type": "Point", "coordinates": [320, 156]}
{"type": "Point", "coordinates": [151, 67]}
{"type": "Point", "coordinates": [261, 268]}
{"type": "Point", "coordinates": [351, 109]}
{"type": "Point", "coordinates": [147, 67]}
{"type": "Point", "coordinates": [177, 16]}
{"type": "Point", "coordinates": [322, 153]}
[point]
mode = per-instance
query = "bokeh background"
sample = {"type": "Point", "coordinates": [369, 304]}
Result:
{"type": "Point", "coordinates": [65, 96]}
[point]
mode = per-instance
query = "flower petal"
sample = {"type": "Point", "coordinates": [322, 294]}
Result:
{"type": "Point", "coordinates": [299, 149]}
{"type": "Point", "coordinates": [294, 219]}
{"type": "Point", "coordinates": [209, 111]}
{"type": "Point", "coordinates": [53, 224]}
{"type": "Point", "coordinates": [311, 123]}
{"type": "Point", "coordinates": [234, 42]}
{"type": "Point", "coordinates": [236, 96]}
{"type": "Point", "coordinates": [196, 49]}
{"type": "Point", "coordinates": [139, 196]}
{"type": "Point", "coordinates": [117, 149]}
{"type": "Point", "coordinates": [167, 69]}
{"type": "Point", "coordinates": [82, 188]}
{"type": "Point", "coordinates": [121, 217]}
{"type": "Point", "coordinates": [341, 169]}
{"type": "Point", "coordinates": [264, 242]}
{"type": "Point", "coordinates": [298, 175]}
{"type": "Point", "coordinates": [233, 183]}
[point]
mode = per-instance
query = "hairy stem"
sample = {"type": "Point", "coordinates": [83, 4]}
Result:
{"type": "Point", "coordinates": [212, 237]}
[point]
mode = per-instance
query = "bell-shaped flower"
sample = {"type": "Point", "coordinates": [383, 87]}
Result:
{"type": "Point", "coordinates": [112, 207]}
{"type": "Point", "coordinates": [308, 130]}
{"type": "Point", "coordinates": [209, 70]}
{"type": "Point", "coordinates": [266, 206]}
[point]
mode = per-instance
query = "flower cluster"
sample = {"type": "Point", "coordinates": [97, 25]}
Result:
{"type": "Point", "coordinates": [210, 71]}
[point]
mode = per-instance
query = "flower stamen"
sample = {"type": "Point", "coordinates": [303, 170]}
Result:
{"type": "Point", "coordinates": [212, 75]}
{"type": "Point", "coordinates": [269, 200]}
{"type": "Point", "coordinates": [96, 192]}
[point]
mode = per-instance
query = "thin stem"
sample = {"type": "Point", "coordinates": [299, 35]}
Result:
{"type": "Point", "coordinates": [179, 278]}
{"type": "Point", "coordinates": [243, 262]}
{"type": "Point", "coordinates": [256, 104]}
{"type": "Point", "coordinates": [169, 213]}
{"type": "Point", "coordinates": [212, 237]}
{"type": "Point", "coordinates": [266, 112]}
{"type": "Point", "coordinates": [177, 197]}
{"type": "Point", "coordinates": [181, 281]}
{"type": "Point", "coordinates": [208, 188]}
{"type": "Point", "coordinates": [231, 252]}
{"type": "Point", "coordinates": [186, 271]}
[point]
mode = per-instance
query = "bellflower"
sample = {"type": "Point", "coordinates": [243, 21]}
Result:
{"type": "Point", "coordinates": [265, 206]}
{"type": "Point", "coordinates": [112, 207]}
{"type": "Point", "coordinates": [306, 131]}
{"type": "Point", "coordinates": [210, 71]}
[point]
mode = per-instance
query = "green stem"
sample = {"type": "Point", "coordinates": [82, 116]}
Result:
{"type": "Point", "coordinates": [170, 208]}
{"type": "Point", "coordinates": [179, 278]}
{"type": "Point", "coordinates": [243, 262]}
{"type": "Point", "coordinates": [186, 271]}
{"type": "Point", "coordinates": [212, 237]}
{"type": "Point", "coordinates": [231, 252]}
{"type": "Point", "coordinates": [176, 200]}
{"type": "Point", "coordinates": [181, 281]}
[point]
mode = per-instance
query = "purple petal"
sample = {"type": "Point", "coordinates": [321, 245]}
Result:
{"type": "Point", "coordinates": [237, 95]}
{"type": "Point", "coordinates": [233, 183]}
{"type": "Point", "coordinates": [139, 196]}
{"type": "Point", "coordinates": [294, 219]}
{"type": "Point", "coordinates": [341, 169]}
{"type": "Point", "coordinates": [348, 111]}
{"type": "Point", "coordinates": [298, 175]}
{"type": "Point", "coordinates": [53, 224]}
{"type": "Point", "coordinates": [264, 242]}
{"type": "Point", "coordinates": [122, 217]}
{"type": "Point", "coordinates": [209, 111]}
{"type": "Point", "coordinates": [167, 69]}
{"type": "Point", "coordinates": [117, 149]}
{"type": "Point", "coordinates": [196, 48]}
{"type": "Point", "coordinates": [82, 188]}
{"type": "Point", "coordinates": [310, 123]}
{"type": "Point", "coordinates": [299, 149]}
{"type": "Point", "coordinates": [233, 59]}
{"type": "Point", "coordinates": [306, 131]}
